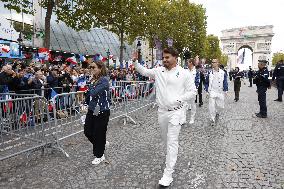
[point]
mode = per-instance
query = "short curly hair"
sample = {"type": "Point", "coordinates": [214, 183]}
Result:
{"type": "Point", "coordinates": [172, 51]}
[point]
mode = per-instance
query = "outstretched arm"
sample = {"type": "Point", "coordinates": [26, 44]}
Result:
{"type": "Point", "coordinates": [142, 70]}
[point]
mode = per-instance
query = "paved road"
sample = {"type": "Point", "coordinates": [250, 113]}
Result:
{"type": "Point", "coordinates": [239, 152]}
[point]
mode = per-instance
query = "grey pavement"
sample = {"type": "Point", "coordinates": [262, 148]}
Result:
{"type": "Point", "coordinates": [240, 151]}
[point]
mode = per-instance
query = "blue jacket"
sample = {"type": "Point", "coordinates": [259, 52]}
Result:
{"type": "Point", "coordinates": [99, 94]}
{"type": "Point", "coordinates": [222, 79]}
{"type": "Point", "coordinates": [197, 79]}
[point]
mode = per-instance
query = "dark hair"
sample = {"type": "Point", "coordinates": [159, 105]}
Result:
{"type": "Point", "coordinates": [171, 50]}
{"type": "Point", "coordinates": [191, 60]}
{"type": "Point", "coordinates": [102, 67]}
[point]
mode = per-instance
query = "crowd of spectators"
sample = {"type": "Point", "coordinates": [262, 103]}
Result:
{"type": "Point", "coordinates": [23, 78]}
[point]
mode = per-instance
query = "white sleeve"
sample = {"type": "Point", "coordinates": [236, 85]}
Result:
{"type": "Point", "coordinates": [144, 71]}
{"type": "Point", "coordinates": [190, 89]}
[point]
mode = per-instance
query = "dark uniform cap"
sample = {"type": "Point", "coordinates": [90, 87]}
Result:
{"type": "Point", "coordinates": [263, 61]}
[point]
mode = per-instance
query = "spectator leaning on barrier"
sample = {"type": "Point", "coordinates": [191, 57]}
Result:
{"type": "Point", "coordinates": [36, 82]}
{"type": "Point", "coordinates": [98, 114]}
{"type": "Point", "coordinates": [7, 76]}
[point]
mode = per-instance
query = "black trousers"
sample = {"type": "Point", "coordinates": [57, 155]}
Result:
{"type": "Point", "coordinates": [237, 88]}
{"type": "Point", "coordinates": [237, 95]}
{"type": "Point", "coordinates": [250, 82]}
{"type": "Point", "coordinates": [199, 98]}
{"type": "Point", "coordinates": [261, 91]}
{"type": "Point", "coordinates": [280, 88]}
{"type": "Point", "coordinates": [95, 129]}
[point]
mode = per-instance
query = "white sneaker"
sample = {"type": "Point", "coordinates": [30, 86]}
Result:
{"type": "Point", "coordinates": [212, 122]}
{"type": "Point", "coordinates": [83, 118]}
{"type": "Point", "coordinates": [97, 161]}
{"type": "Point", "coordinates": [165, 180]}
{"type": "Point", "coordinates": [107, 143]}
{"type": "Point", "coordinates": [191, 120]}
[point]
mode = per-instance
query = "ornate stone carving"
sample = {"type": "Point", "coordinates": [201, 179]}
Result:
{"type": "Point", "coordinates": [257, 38]}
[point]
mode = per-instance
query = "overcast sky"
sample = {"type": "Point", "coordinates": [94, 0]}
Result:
{"type": "Point", "coordinates": [226, 14]}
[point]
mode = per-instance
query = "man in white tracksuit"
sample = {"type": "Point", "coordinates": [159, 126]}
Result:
{"type": "Point", "coordinates": [173, 89]}
{"type": "Point", "coordinates": [194, 81]}
{"type": "Point", "coordinates": [216, 85]}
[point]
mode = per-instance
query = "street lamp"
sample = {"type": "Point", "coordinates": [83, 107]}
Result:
{"type": "Point", "coordinates": [139, 51]}
{"type": "Point", "coordinates": [20, 40]}
{"type": "Point", "coordinates": [108, 53]}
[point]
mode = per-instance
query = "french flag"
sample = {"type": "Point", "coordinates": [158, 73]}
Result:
{"type": "Point", "coordinates": [5, 49]}
{"type": "Point", "coordinates": [72, 60]}
{"type": "Point", "coordinates": [43, 53]}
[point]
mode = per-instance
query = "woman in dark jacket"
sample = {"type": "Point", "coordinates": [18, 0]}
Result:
{"type": "Point", "coordinates": [98, 110]}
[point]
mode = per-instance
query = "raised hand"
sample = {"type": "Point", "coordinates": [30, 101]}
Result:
{"type": "Point", "coordinates": [134, 56]}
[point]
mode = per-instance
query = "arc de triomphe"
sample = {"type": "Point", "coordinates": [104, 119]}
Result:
{"type": "Point", "coordinates": [256, 38]}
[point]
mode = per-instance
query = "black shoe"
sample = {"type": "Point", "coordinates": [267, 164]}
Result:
{"type": "Point", "coordinates": [259, 115]}
{"type": "Point", "coordinates": [195, 101]}
{"type": "Point", "coordinates": [278, 100]}
{"type": "Point", "coordinates": [200, 104]}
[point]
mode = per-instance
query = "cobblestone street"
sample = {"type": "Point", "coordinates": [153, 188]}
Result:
{"type": "Point", "coordinates": [240, 151]}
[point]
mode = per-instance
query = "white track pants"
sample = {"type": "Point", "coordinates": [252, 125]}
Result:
{"type": "Point", "coordinates": [170, 123]}
{"type": "Point", "coordinates": [216, 101]}
{"type": "Point", "coordinates": [192, 105]}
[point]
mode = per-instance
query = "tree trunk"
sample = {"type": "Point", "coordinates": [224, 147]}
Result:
{"type": "Point", "coordinates": [152, 57]}
{"type": "Point", "coordinates": [50, 7]}
{"type": "Point", "coordinates": [121, 48]}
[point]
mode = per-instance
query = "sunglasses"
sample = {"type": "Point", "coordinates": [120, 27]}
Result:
{"type": "Point", "coordinates": [92, 67]}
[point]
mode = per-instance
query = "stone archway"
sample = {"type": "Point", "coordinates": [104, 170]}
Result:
{"type": "Point", "coordinates": [256, 38]}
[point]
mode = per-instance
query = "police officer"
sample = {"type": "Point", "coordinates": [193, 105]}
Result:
{"type": "Point", "coordinates": [279, 75]}
{"type": "Point", "coordinates": [250, 76]}
{"type": "Point", "coordinates": [237, 83]}
{"type": "Point", "coordinates": [262, 83]}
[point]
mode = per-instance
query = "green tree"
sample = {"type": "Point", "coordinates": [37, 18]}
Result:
{"type": "Point", "coordinates": [51, 6]}
{"type": "Point", "coordinates": [277, 57]}
{"type": "Point", "coordinates": [115, 15]}
{"type": "Point", "coordinates": [212, 48]}
{"type": "Point", "coordinates": [224, 59]}
{"type": "Point", "coordinates": [181, 20]}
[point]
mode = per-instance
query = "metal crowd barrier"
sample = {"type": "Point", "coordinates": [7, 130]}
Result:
{"type": "Point", "coordinates": [23, 120]}
{"type": "Point", "coordinates": [45, 92]}
{"type": "Point", "coordinates": [134, 96]}
{"type": "Point", "coordinates": [123, 84]}
{"type": "Point", "coordinates": [30, 122]}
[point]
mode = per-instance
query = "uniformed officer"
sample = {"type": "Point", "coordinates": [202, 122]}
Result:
{"type": "Point", "coordinates": [262, 83]}
{"type": "Point", "coordinates": [237, 82]}
{"type": "Point", "coordinates": [279, 75]}
{"type": "Point", "coordinates": [250, 76]}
